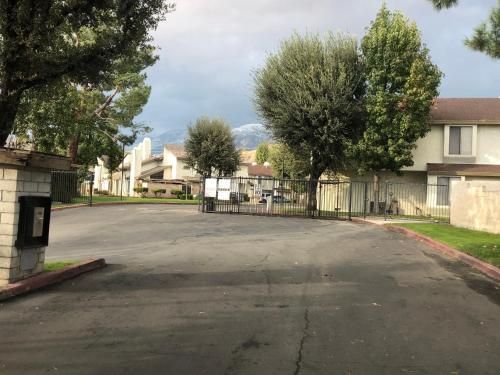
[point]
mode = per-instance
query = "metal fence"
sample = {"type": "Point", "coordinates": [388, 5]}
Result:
{"type": "Point", "coordinates": [334, 199]}
{"type": "Point", "coordinates": [68, 187]}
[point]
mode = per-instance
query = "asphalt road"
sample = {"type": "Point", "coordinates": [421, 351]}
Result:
{"type": "Point", "coordinates": [190, 293]}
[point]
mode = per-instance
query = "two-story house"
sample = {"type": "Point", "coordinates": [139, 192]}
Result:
{"type": "Point", "coordinates": [463, 144]}
{"type": "Point", "coordinates": [464, 141]}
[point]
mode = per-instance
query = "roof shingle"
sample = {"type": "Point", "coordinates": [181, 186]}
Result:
{"type": "Point", "coordinates": [466, 109]}
{"type": "Point", "coordinates": [260, 170]}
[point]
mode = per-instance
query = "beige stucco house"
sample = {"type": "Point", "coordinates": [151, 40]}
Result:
{"type": "Point", "coordinates": [142, 169]}
{"type": "Point", "coordinates": [167, 171]}
{"type": "Point", "coordinates": [463, 144]}
{"type": "Point", "coordinates": [464, 141]}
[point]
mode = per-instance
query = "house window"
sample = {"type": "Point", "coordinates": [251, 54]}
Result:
{"type": "Point", "coordinates": [157, 176]}
{"type": "Point", "coordinates": [460, 140]}
{"type": "Point", "coordinates": [444, 190]}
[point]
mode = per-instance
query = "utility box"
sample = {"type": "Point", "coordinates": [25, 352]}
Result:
{"type": "Point", "coordinates": [34, 222]}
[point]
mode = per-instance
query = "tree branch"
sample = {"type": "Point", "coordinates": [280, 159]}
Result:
{"type": "Point", "coordinates": [107, 102]}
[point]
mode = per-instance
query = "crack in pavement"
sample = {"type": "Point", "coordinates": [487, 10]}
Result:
{"type": "Point", "coordinates": [305, 335]}
{"type": "Point", "coordinates": [268, 281]}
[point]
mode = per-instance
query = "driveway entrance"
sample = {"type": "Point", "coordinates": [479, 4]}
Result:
{"type": "Point", "coordinates": [193, 293]}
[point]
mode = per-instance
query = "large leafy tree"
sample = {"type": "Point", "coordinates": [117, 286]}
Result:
{"type": "Point", "coordinates": [401, 85]}
{"type": "Point", "coordinates": [65, 116]}
{"type": "Point", "coordinates": [42, 41]}
{"type": "Point", "coordinates": [309, 94]}
{"type": "Point", "coordinates": [288, 164]}
{"type": "Point", "coordinates": [486, 37]}
{"type": "Point", "coordinates": [262, 153]}
{"type": "Point", "coordinates": [211, 149]}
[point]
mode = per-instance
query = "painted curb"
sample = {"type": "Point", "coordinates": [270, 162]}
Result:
{"type": "Point", "coordinates": [48, 278]}
{"type": "Point", "coordinates": [486, 268]}
{"type": "Point", "coordinates": [120, 204]}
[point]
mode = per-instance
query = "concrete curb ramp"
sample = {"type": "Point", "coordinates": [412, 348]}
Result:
{"type": "Point", "coordinates": [48, 278]}
{"type": "Point", "coordinates": [486, 268]}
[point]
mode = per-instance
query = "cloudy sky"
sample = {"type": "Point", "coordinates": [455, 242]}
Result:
{"type": "Point", "coordinates": [209, 49]}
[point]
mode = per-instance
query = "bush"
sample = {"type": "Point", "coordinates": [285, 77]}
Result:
{"type": "Point", "coordinates": [141, 190]}
{"type": "Point", "coordinates": [183, 197]}
{"type": "Point", "coordinates": [157, 192]}
{"type": "Point", "coordinates": [176, 192]}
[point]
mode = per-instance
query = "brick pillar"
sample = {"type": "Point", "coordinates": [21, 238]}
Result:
{"type": "Point", "coordinates": [16, 181]}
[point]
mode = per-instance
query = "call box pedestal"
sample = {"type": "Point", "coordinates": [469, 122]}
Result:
{"type": "Point", "coordinates": [25, 211]}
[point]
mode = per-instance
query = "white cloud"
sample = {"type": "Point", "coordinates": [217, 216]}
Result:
{"type": "Point", "coordinates": [210, 48]}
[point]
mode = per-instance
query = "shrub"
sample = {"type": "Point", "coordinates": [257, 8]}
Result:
{"type": "Point", "coordinates": [183, 197]}
{"type": "Point", "coordinates": [157, 192]}
{"type": "Point", "coordinates": [141, 190]}
{"type": "Point", "coordinates": [176, 192]}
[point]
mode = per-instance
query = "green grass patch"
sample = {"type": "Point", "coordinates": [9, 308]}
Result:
{"type": "Point", "coordinates": [54, 266]}
{"type": "Point", "coordinates": [482, 245]}
{"type": "Point", "coordinates": [128, 200]}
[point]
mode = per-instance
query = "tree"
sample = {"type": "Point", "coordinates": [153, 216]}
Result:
{"type": "Point", "coordinates": [309, 94]}
{"type": "Point", "coordinates": [440, 4]}
{"type": "Point", "coordinates": [262, 153]}
{"type": "Point", "coordinates": [486, 36]}
{"type": "Point", "coordinates": [42, 41]}
{"type": "Point", "coordinates": [63, 116]}
{"type": "Point", "coordinates": [401, 85]}
{"type": "Point", "coordinates": [287, 164]}
{"type": "Point", "coordinates": [211, 149]}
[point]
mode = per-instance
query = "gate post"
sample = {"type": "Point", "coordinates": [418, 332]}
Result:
{"type": "Point", "coordinates": [350, 200]}
{"type": "Point", "coordinates": [385, 203]}
{"type": "Point", "coordinates": [319, 200]}
{"type": "Point", "coordinates": [91, 191]}
{"type": "Point", "coordinates": [239, 193]}
{"type": "Point", "coordinates": [202, 194]}
{"type": "Point", "coordinates": [271, 211]}
{"type": "Point", "coordinates": [216, 201]}
{"type": "Point", "coordinates": [365, 200]}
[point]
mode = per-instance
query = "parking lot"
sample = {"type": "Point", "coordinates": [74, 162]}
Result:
{"type": "Point", "coordinates": [192, 293]}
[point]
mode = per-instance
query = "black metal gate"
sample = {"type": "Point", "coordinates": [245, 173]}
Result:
{"type": "Point", "coordinates": [328, 199]}
{"type": "Point", "coordinates": [69, 187]}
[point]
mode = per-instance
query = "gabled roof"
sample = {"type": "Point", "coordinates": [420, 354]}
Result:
{"type": "Point", "coordinates": [152, 171]}
{"type": "Point", "coordinates": [260, 170]}
{"type": "Point", "coordinates": [177, 150]}
{"type": "Point", "coordinates": [472, 110]}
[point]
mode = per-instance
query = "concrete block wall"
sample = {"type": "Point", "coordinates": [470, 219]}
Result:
{"type": "Point", "coordinates": [16, 264]}
{"type": "Point", "coordinates": [476, 205]}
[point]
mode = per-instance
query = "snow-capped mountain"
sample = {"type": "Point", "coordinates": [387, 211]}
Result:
{"type": "Point", "coordinates": [247, 137]}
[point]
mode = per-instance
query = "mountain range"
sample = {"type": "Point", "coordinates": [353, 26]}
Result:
{"type": "Point", "coordinates": [247, 137]}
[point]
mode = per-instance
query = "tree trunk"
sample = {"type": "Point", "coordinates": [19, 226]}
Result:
{"type": "Point", "coordinates": [110, 187]}
{"type": "Point", "coordinates": [73, 148]}
{"type": "Point", "coordinates": [312, 201]}
{"type": "Point", "coordinates": [9, 104]}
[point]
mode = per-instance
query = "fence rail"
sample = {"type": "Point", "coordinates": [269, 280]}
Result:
{"type": "Point", "coordinates": [334, 199]}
